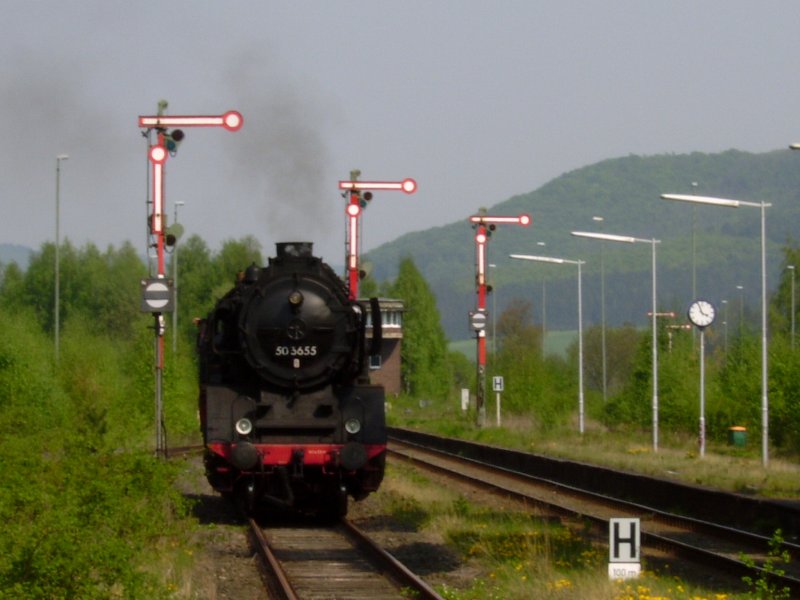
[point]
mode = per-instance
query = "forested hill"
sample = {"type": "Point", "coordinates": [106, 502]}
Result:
{"type": "Point", "coordinates": [626, 193]}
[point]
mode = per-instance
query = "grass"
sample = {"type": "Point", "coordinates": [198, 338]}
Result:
{"type": "Point", "coordinates": [724, 467]}
{"type": "Point", "coordinates": [511, 554]}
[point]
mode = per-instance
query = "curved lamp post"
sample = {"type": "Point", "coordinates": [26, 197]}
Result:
{"type": "Point", "coordinates": [565, 261]}
{"type": "Point", "coordinates": [729, 203]}
{"type": "Point", "coordinates": [601, 220]}
{"type": "Point", "coordinates": [56, 299]}
{"type": "Point", "coordinates": [632, 240]}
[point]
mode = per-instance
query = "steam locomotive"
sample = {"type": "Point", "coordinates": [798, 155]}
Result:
{"type": "Point", "coordinates": [287, 412]}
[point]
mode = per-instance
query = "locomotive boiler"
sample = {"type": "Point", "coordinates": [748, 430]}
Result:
{"type": "Point", "coordinates": [287, 412]}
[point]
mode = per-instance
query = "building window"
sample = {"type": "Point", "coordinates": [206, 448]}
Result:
{"type": "Point", "coordinates": [391, 318]}
{"type": "Point", "coordinates": [374, 362]}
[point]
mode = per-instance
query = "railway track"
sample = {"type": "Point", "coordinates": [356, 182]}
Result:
{"type": "Point", "coordinates": [698, 541]}
{"type": "Point", "coordinates": [312, 562]}
{"type": "Point", "coordinates": [304, 560]}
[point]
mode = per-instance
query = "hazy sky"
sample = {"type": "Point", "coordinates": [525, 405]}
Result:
{"type": "Point", "coordinates": [477, 101]}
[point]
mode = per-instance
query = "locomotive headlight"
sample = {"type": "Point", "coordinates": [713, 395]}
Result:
{"type": "Point", "coordinates": [244, 426]}
{"type": "Point", "coordinates": [295, 298]}
{"type": "Point", "coordinates": [352, 426]}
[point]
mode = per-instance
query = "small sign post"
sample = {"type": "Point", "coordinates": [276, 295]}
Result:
{"type": "Point", "coordinates": [497, 386]}
{"type": "Point", "coordinates": [464, 399]}
{"type": "Point", "coordinates": [624, 561]}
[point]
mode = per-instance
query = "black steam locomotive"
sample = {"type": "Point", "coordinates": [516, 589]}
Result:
{"type": "Point", "coordinates": [288, 415]}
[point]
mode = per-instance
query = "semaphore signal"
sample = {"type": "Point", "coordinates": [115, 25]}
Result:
{"type": "Point", "coordinates": [166, 145]}
{"type": "Point", "coordinates": [484, 225]}
{"type": "Point", "coordinates": [357, 202]}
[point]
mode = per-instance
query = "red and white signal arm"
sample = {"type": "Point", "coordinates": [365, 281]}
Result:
{"type": "Point", "coordinates": [523, 220]}
{"type": "Point", "coordinates": [408, 185]}
{"type": "Point", "coordinates": [231, 120]}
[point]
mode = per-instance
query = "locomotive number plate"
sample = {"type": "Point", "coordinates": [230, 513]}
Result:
{"type": "Point", "coordinates": [295, 350]}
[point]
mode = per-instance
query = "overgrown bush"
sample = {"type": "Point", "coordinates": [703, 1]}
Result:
{"type": "Point", "coordinates": [83, 503]}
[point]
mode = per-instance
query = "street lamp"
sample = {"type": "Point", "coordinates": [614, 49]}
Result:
{"type": "Point", "coordinates": [549, 259]}
{"type": "Point", "coordinates": [791, 269]}
{"type": "Point", "coordinates": [729, 203]}
{"type": "Point", "coordinates": [741, 309]}
{"type": "Point", "coordinates": [544, 304]}
{"type": "Point", "coordinates": [603, 314]}
{"type": "Point", "coordinates": [725, 324]}
{"type": "Point", "coordinates": [652, 242]}
{"type": "Point", "coordinates": [56, 300]}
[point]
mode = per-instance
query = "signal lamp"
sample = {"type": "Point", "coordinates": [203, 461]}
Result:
{"type": "Point", "coordinates": [172, 140]}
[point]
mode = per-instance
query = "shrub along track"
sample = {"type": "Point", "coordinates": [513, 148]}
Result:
{"type": "Point", "coordinates": [692, 524]}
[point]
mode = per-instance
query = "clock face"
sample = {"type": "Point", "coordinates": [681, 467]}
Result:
{"type": "Point", "coordinates": [701, 313]}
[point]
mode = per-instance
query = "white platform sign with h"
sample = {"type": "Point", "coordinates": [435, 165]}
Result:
{"type": "Point", "coordinates": [624, 561]}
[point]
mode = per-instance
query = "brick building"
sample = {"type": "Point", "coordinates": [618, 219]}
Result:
{"type": "Point", "coordinates": [385, 369]}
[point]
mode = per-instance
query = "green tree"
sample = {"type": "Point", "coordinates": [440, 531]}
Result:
{"type": "Point", "coordinates": [544, 388]}
{"type": "Point", "coordinates": [619, 357]}
{"type": "Point", "coordinates": [423, 355]}
{"type": "Point", "coordinates": [196, 282]}
{"type": "Point", "coordinates": [679, 381]}
{"type": "Point", "coordinates": [631, 406]}
{"type": "Point", "coordinates": [235, 256]}
{"type": "Point", "coordinates": [100, 287]}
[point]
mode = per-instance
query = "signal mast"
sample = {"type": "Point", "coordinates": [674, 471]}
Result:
{"type": "Point", "coordinates": [157, 292]}
{"type": "Point", "coordinates": [357, 202]}
{"type": "Point", "coordinates": [484, 225]}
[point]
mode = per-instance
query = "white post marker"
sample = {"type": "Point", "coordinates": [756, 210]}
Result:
{"type": "Point", "coordinates": [624, 560]}
{"type": "Point", "coordinates": [497, 386]}
{"type": "Point", "coordinates": [465, 399]}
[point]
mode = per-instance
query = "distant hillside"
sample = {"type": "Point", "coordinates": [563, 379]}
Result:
{"type": "Point", "coordinates": [625, 192]}
{"type": "Point", "coordinates": [13, 253]}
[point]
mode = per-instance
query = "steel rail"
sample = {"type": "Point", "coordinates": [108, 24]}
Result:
{"type": "Point", "coordinates": [665, 543]}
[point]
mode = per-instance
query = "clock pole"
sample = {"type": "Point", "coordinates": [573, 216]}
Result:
{"type": "Point", "coordinates": [702, 393]}
{"type": "Point", "coordinates": [701, 313]}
